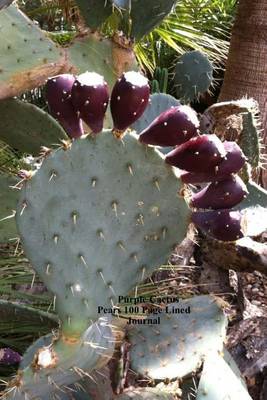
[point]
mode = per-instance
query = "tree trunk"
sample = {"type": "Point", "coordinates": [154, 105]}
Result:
{"type": "Point", "coordinates": [246, 70]}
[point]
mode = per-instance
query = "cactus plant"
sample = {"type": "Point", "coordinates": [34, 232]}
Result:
{"type": "Point", "coordinates": [177, 346]}
{"type": "Point", "coordinates": [146, 394]}
{"type": "Point", "coordinates": [8, 202]}
{"type": "Point", "coordinates": [160, 80]}
{"type": "Point", "coordinates": [193, 75]}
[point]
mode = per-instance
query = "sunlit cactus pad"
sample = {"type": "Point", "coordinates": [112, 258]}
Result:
{"type": "Point", "coordinates": [96, 219]}
{"type": "Point", "coordinates": [145, 394]}
{"type": "Point", "coordinates": [178, 345]}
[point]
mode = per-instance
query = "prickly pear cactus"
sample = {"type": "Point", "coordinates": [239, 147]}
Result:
{"type": "Point", "coordinates": [193, 75]}
{"type": "Point", "coordinates": [59, 364]}
{"type": "Point", "coordinates": [95, 220]}
{"type": "Point", "coordinates": [26, 127]}
{"type": "Point", "coordinates": [27, 55]}
{"type": "Point", "coordinates": [219, 382]}
{"type": "Point", "coordinates": [177, 346]}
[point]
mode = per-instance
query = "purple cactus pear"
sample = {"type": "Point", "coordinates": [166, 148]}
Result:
{"type": "Point", "coordinates": [58, 96]}
{"type": "Point", "coordinates": [90, 97]}
{"type": "Point", "coordinates": [222, 194]}
{"type": "Point", "coordinates": [224, 225]}
{"type": "Point", "coordinates": [231, 164]}
{"type": "Point", "coordinates": [172, 127]}
{"type": "Point", "coordinates": [9, 356]}
{"type": "Point", "coordinates": [129, 98]}
{"type": "Point", "coordinates": [198, 154]}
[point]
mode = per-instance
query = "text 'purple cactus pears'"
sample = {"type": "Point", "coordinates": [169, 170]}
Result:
{"type": "Point", "coordinates": [224, 225]}
{"type": "Point", "coordinates": [90, 97]}
{"type": "Point", "coordinates": [9, 356]}
{"type": "Point", "coordinates": [172, 127]}
{"type": "Point", "coordinates": [129, 98]}
{"type": "Point", "coordinates": [58, 96]}
{"type": "Point", "coordinates": [222, 194]}
{"type": "Point", "coordinates": [198, 154]}
{"type": "Point", "coordinates": [231, 164]}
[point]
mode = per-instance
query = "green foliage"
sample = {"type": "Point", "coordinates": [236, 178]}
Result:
{"type": "Point", "coordinates": [160, 81]}
{"type": "Point", "coordinates": [8, 203]}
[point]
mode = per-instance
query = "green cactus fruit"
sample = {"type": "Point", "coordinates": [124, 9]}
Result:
{"type": "Point", "coordinates": [27, 56]}
{"type": "Point", "coordinates": [93, 210]}
{"type": "Point", "coordinates": [178, 345]}
{"type": "Point", "coordinates": [145, 19]}
{"type": "Point", "coordinates": [26, 127]}
{"type": "Point", "coordinates": [63, 362]}
{"type": "Point", "coordinates": [219, 382]}
{"type": "Point", "coordinates": [193, 75]}
{"type": "Point", "coordinates": [145, 394]}
{"type": "Point", "coordinates": [8, 203]}
{"type": "Point", "coordinates": [95, 12]}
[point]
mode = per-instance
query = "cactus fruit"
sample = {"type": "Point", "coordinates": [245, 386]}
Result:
{"type": "Point", "coordinates": [145, 394]}
{"type": "Point", "coordinates": [78, 227]}
{"type": "Point", "coordinates": [129, 99]}
{"type": "Point", "coordinates": [58, 95]}
{"type": "Point", "coordinates": [231, 164]}
{"type": "Point", "coordinates": [198, 154]}
{"type": "Point", "coordinates": [219, 382]}
{"type": "Point", "coordinates": [90, 97]}
{"type": "Point", "coordinates": [26, 127]}
{"type": "Point", "coordinates": [9, 356]}
{"type": "Point", "coordinates": [223, 194]}
{"type": "Point", "coordinates": [193, 75]}
{"type": "Point", "coordinates": [178, 345]}
{"type": "Point", "coordinates": [173, 127]}
{"type": "Point", "coordinates": [224, 225]}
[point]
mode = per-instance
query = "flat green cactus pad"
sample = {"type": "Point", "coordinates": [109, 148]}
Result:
{"type": "Point", "coordinates": [145, 394]}
{"type": "Point", "coordinates": [96, 219]}
{"type": "Point", "coordinates": [5, 3]}
{"type": "Point", "coordinates": [193, 75]}
{"type": "Point", "coordinates": [26, 127]}
{"type": "Point", "coordinates": [8, 203]}
{"type": "Point", "coordinates": [178, 345]}
{"type": "Point", "coordinates": [62, 363]}
{"type": "Point", "coordinates": [27, 56]}
{"type": "Point", "coordinates": [145, 18]}
{"type": "Point", "coordinates": [219, 382]}
{"type": "Point", "coordinates": [94, 12]}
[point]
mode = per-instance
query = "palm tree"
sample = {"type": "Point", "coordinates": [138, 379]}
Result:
{"type": "Point", "coordinates": [246, 69]}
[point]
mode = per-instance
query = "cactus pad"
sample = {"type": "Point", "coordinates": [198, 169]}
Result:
{"type": "Point", "coordinates": [96, 219]}
{"type": "Point", "coordinates": [193, 75]}
{"type": "Point", "coordinates": [177, 346]}
{"type": "Point", "coordinates": [145, 394]}
{"type": "Point", "coordinates": [61, 363]}
{"type": "Point", "coordinates": [8, 202]}
{"type": "Point", "coordinates": [219, 382]}
{"type": "Point", "coordinates": [26, 127]}
{"type": "Point", "coordinates": [94, 12]}
{"type": "Point", "coordinates": [27, 56]}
